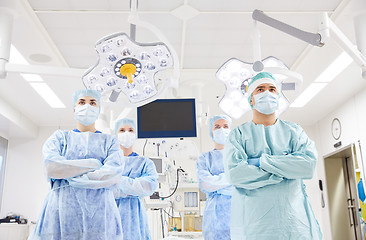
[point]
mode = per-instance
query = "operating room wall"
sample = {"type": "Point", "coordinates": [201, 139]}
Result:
{"type": "Point", "coordinates": [352, 115]}
{"type": "Point", "coordinates": [25, 183]}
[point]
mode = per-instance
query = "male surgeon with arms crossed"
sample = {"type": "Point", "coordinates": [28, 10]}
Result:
{"type": "Point", "coordinates": [266, 161]}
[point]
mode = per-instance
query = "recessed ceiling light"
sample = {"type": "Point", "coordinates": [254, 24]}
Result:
{"type": "Point", "coordinates": [335, 68]}
{"type": "Point", "coordinates": [41, 58]}
{"type": "Point", "coordinates": [48, 95]}
{"type": "Point", "coordinates": [308, 94]}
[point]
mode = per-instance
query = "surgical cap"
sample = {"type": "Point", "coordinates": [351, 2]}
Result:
{"type": "Point", "coordinates": [218, 117]}
{"type": "Point", "coordinates": [123, 122]}
{"type": "Point", "coordinates": [260, 78]}
{"type": "Point", "coordinates": [85, 93]}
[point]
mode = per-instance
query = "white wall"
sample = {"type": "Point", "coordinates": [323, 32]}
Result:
{"type": "Point", "coordinates": [25, 183]}
{"type": "Point", "coordinates": [352, 116]}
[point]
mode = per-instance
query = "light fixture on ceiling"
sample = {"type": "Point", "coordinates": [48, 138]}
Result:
{"type": "Point", "coordinates": [328, 75]}
{"type": "Point", "coordinates": [47, 94]}
{"type": "Point", "coordinates": [130, 67]}
{"type": "Point", "coordinates": [335, 68]}
{"type": "Point", "coordinates": [35, 80]}
{"type": "Point", "coordinates": [236, 75]}
{"type": "Point", "coordinates": [310, 92]}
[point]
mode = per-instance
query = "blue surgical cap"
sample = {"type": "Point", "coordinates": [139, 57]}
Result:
{"type": "Point", "coordinates": [85, 93]}
{"type": "Point", "coordinates": [218, 117]}
{"type": "Point", "coordinates": [123, 122]}
{"type": "Point", "coordinates": [260, 78]}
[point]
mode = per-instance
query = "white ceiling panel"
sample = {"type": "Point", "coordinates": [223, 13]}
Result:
{"type": "Point", "coordinates": [105, 5]}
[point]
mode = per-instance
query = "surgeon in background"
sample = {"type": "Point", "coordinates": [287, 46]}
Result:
{"type": "Point", "coordinates": [81, 165]}
{"type": "Point", "coordinates": [212, 181]}
{"type": "Point", "coordinates": [266, 161]}
{"type": "Point", "coordinates": [138, 179]}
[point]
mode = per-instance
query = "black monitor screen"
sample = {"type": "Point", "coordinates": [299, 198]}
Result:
{"type": "Point", "coordinates": [167, 118]}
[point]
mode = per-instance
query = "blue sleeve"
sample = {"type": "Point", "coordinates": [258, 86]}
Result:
{"type": "Point", "coordinates": [142, 186]}
{"type": "Point", "coordinates": [239, 173]}
{"type": "Point", "coordinates": [207, 181]}
{"type": "Point", "coordinates": [106, 176]}
{"type": "Point", "coordinates": [57, 166]}
{"type": "Point", "coordinates": [299, 164]}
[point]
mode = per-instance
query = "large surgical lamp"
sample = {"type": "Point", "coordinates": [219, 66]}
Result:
{"type": "Point", "coordinates": [130, 67]}
{"type": "Point", "coordinates": [236, 75]}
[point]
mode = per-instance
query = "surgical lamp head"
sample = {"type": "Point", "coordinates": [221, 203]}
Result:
{"type": "Point", "coordinates": [218, 117]}
{"type": "Point", "coordinates": [127, 66]}
{"type": "Point", "coordinates": [123, 122]}
{"type": "Point", "coordinates": [85, 93]}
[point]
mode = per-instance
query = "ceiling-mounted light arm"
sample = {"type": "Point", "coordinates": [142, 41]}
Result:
{"type": "Point", "coordinates": [312, 38]}
{"type": "Point", "coordinates": [257, 62]}
{"type": "Point", "coordinates": [134, 19]}
{"type": "Point", "coordinates": [133, 8]}
{"type": "Point", "coordinates": [329, 29]}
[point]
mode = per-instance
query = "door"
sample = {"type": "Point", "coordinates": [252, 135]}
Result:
{"type": "Point", "coordinates": [342, 194]}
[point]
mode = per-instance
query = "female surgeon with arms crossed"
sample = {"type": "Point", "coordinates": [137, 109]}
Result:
{"type": "Point", "coordinates": [81, 165]}
{"type": "Point", "coordinates": [138, 179]}
{"type": "Point", "coordinates": [212, 181]}
{"type": "Point", "coordinates": [266, 161]}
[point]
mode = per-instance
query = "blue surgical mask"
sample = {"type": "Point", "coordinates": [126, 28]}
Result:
{"type": "Point", "coordinates": [220, 135]}
{"type": "Point", "coordinates": [86, 114]}
{"type": "Point", "coordinates": [266, 102]}
{"type": "Point", "coordinates": [126, 139]}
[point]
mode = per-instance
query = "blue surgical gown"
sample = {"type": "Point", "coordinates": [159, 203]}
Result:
{"type": "Point", "coordinates": [138, 179]}
{"type": "Point", "coordinates": [212, 181]}
{"type": "Point", "coordinates": [269, 201]}
{"type": "Point", "coordinates": [82, 167]}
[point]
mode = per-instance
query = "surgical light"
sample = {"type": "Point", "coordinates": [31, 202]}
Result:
{"type": "Point", "coordinates": [127, 66]}
{"type": "Point", "coordinates": [236, 74]}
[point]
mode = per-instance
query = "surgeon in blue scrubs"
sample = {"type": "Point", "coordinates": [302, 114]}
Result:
{"type": "Point", "coordinates": [138, 179]}
{"type": "Point", "coordinates": [212, 181]}
{"type": "Point", "coordinates": [82, 165]}
{"type": "Point", "coordinates": [266, 161]}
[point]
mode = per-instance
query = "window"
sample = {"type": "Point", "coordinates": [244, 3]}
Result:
{"type": "Point", "coordinates": [3, 150]}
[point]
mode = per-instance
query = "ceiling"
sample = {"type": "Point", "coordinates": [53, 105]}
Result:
{"type": "Point", "coordinates": [204, 33]}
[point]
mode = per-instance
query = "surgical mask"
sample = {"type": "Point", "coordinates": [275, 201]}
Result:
{"type": "Point", "coordinates": [86, 114]}
{"type": "Point", "coordinates": [220, 135]}
{"type": "Point", "coordinates": [266, 102]}
{"type": "Point", "coordinates": [126, 139]}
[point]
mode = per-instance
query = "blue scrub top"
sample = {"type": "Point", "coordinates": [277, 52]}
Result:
{"type": "Point", "coordinates": [77, 130]}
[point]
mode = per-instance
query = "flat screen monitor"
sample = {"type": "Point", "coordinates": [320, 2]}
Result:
{"type": "Point", "coordinates": [165, 118]}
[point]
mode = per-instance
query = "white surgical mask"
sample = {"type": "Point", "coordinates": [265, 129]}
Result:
{"type": "Point", "coordinates": [266, 102]}
{"type": "Point", "coordinates": [126, 139]}
{"type": "Point", "coordinates": [86, 114]}
{"type": "Point", "coordinates": [220, 135]}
